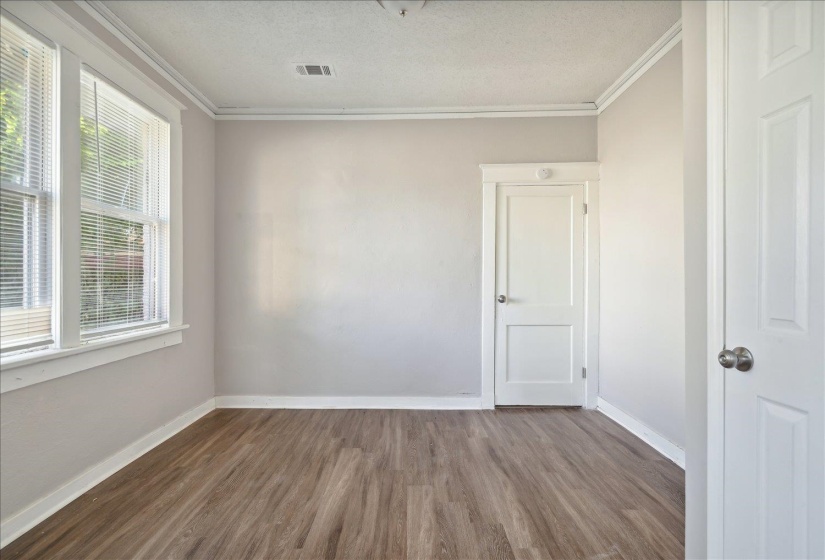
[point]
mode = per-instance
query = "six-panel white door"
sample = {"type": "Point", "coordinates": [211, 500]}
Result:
{"type": "Point", "coordinates": [774, 473]}
{"type": "Point", "coordinates": [539, 349]}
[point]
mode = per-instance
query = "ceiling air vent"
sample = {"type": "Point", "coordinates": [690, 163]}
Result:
{"type": "Point", "coordinates": [314, 70]}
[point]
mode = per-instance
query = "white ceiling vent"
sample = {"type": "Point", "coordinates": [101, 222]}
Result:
{"type": "Point", "coordinates": [304, 70]}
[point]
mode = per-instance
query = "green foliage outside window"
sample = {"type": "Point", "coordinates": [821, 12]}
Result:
{"type": "Point", "coordinates": [12, 118]}
{"type": "Point", "coordinates": [12, 206]}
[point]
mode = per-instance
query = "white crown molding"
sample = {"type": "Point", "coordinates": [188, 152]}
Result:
{"type": "Point", "coordinates": [655, 440]}
{"type": "Point", "coordinates": [312, 402]}
{"type": "Point", "coordinates": [19, 523]}
{"type": "Point", "coordinates": [128, 37]}
{"type": "Point", "coordinates": [263, 114]}
{"type": "Point", "coordinates": [103, 15]}
{"type": "Point", "coordinates": [645, 62]}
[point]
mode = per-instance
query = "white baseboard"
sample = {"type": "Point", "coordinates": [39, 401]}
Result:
{"type": "Point", "coordinates": [14, 526]}
{"type": "Point", "coordinates": [650, 437]}
{"type": "Point", "coordinates": [424, 403]}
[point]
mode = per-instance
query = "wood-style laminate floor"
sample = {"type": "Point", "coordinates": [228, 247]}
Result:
{"type": "Point", "coordinates": [311, 484]}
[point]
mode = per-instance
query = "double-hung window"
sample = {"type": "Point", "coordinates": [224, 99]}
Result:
{"type": "Point", "coordinates": [90, 248]}
{"type": "Point", "coordinates": [27, 174]}
{"type": "Point", "coordinates": [124, 219]}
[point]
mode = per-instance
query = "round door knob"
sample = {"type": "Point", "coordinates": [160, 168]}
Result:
{"type": "Point", "coordinates": [502, 299]}
{"type": "Point", "coordinates": [739, 358]}
{"type": "Point", "coordinates": [727, 359]}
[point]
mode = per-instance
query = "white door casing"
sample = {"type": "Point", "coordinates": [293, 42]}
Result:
{"type": "Point", "coordinates": [540, 277]}
{"type": "Point", "coordinates": [541, 252]}
{"type": "Point", "coordinates": [766, 426]}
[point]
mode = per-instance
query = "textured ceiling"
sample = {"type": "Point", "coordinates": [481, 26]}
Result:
{"type": "Point", "coordinates": [449, 54]}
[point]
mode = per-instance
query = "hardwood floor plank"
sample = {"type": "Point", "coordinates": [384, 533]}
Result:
{"type": "Point", "coordinates": [380, 484]}
{"type": "Point", "coordinates": [456, 536]}
{"type": "Point", "coordinates": [421, 523]}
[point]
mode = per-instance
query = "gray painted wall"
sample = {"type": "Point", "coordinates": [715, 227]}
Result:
{"type": "Point", "coordinates": [642, 307]}
{"type": "Point", "coordinates": [52, 432]}
{"type": "Point", "coordinates": [348, 253]}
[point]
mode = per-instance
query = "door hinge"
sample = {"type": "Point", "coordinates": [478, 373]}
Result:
{"type": "Point", "coordinates": [584, 373]}
{"type": "Point", "coordinates": [585, 208]}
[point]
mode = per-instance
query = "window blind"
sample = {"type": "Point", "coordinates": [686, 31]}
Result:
{"type": "Point", "coordinates": [27, 130]}
{"type": "Point", "coordinates": [124, 211]}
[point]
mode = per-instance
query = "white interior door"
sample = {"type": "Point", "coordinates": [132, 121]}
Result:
{"type": "Point", "coordinates": [540, 285]}
{"type": "Point", "coordinates": [773, 451]}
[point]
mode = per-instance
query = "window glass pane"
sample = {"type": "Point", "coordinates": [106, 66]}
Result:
{"type": "Point", "coordinates": [125, 201]}
{"type": "Point", "coordinates": [27, 68]}
{"type": "Point", "coordinates": [112, 272]}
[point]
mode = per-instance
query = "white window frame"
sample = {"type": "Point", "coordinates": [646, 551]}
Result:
{"type": "Point", "coordinates": [76, 46]}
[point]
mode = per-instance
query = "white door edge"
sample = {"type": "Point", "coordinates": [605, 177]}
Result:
{"type": "Point", "coordinates": [717, 16]}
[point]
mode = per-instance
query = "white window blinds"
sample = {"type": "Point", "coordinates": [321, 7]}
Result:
{"type": "Point", "coordinates": [27, 130]}
{"type": "Point", "coordinates": [125, 211]}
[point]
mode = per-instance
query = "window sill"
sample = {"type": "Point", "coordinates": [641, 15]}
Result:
{"type": "Point", "coordinates": [39, 366]}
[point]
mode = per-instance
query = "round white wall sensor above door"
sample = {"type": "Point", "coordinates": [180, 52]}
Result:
{"type": "Point", "coordinates": [543, 173]}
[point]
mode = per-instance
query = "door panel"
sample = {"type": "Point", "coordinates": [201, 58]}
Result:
{"type": "Point", "coordinates": [540, 250]}
{"type": "Point", "coordinates": [774, 481]}
{"type": "Point", "coordinates": [539, 353]}
{"type": "Point", "coordinates": [784, 183]}
{"type": "Point", "coordinates": [540, 271]}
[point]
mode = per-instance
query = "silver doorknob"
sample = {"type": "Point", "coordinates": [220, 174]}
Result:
{"type": "Point", "coordinates": [739, 358]}
{"type": "Point", "coordinates": [502, 299]}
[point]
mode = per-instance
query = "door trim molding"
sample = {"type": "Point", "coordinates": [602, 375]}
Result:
{"type": "Point", "coordinates": [539, 174]}
{"type": "Point", "coordinates": [717, 53]}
